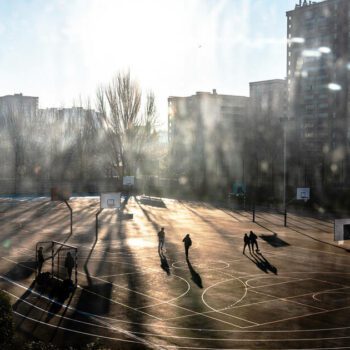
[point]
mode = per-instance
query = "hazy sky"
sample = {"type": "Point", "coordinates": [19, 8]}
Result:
{"type": "Point", "coordinates": [62, 49]}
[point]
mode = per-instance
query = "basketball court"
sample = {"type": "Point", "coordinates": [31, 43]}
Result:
{"type": "Point", "coordinates": [293, 294]}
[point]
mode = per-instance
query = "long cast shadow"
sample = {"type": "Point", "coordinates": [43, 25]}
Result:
{"type": "Point", "coordinates": [306, 235]}
{"type": "Point", "coordinates": [261, 262]}
{"type": "Point", "coordinates": [164, 262]}
{"type": "Point", "coordinates": [153, 201]}
{"type": "Point", "coordinates": [257, 262]}
{"type": "Point", "coordinates": [274, 240]}
{"type": "Point", "coordinates": [57, 307]}
{"type": "Point", "coordinates": [19, 301]}
{"type": "Point", "coordinates": [196, 278]}
{"type": "Point", "coordinates": [267, 264]}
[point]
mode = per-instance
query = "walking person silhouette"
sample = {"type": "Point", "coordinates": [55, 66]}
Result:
{"type": "Point", "coordinates": [253, 241]}
{"type": "Point", "coordinates": [161, 239]}
{"type": "Point", "coordinates": [187, 242]}
{"type": "Point", "coordinates": [69, 264]}
{"type": "Point", "coordinates": [246, 240]}
{"type": "Point", "coordinates": [41, 260]}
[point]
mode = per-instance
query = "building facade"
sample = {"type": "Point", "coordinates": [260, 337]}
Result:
{"type": "Point", "coordinates": [18, 104]}
{"type": "Point", "coordinates": [205, 133]}
{"type": "Point", "coordinates": [318, 78]}
{"type": "Point", "coordinates": [264, 148]}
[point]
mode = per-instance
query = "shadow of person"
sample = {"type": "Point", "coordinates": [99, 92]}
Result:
{"type": "Point", "coordinates": [267, 264]}
{"type": "Point", "coordinates": [164, 263]}
{"type": "Point", "coordinates": [254, 258]}
{"type": "Point", "coordinates": [196, 278]}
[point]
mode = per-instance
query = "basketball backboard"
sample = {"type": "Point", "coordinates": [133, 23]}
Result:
{"type": "Point", "coordinates": [303, 193]}
{"type": "Point", "coordinates": [341, 229]}
{"type": "Point", "coordinates": [110, 200]}
{"type": "Point", "coordinates": [238, 188]}
{"type": "Point", "coordinates": [128, 180]}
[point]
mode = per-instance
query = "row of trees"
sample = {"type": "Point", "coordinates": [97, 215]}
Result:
{"type": "Point", "coordinates": [81, 146]}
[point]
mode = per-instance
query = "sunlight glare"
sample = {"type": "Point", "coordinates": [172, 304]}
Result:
{"type": "Point", "coordinates": [334, 87]}
{"type": "Point", "coordinates": [311, 53]}
{"type": "Point", "coordinates": [324, 49]}
{"type": "Point", "coordinates": [139, 243]}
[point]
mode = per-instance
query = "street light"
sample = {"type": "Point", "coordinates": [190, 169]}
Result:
{"type": "Point", "coordinates": [285, 170]}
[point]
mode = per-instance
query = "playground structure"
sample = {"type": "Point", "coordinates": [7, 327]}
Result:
{"type": "Point", "coordinates": [56, 253]}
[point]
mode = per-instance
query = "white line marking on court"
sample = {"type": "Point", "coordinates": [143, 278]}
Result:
{"type": "Point", "coordinates": [113, 301]}
{"type": "Point", "coordinates": [224, 313]}
{"type": "Point", "coordinates": [271, 284]}
{"type": "Point", "coordinates": [100, 296]}
{"type": "Point", "coordinates": [324, 252]}
{"type": "Point", "coordinates": [314, 296]}
{"type": "Point", "coordinates": [302, 316]}
{"type": "Point", "coordinates": [185, 268]}
{"type": "Point", "coordinates": [168, 336]}
{"type": "Point", "coordinates": [229, 331]}
{"type": "Point", "coordinates": [288, 300]}
{"type": "Point", "coordinates": [171, 300]}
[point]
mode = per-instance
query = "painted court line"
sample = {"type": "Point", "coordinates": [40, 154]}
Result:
{"type": "Point", "coordinates": [303, 316]}
{"type": "Point", "coordinates": [272, 331]}
{"type": "Point", "coordinates": [223, 313]}
{"type": "Point", "coordinates": [179, 337]}
{"type": "Point", "coordinates": [100, 296]}
{"type": "Point", "coordinates": [314, 296]}
{"type": "Point", "coordinates": [170, 304]}
{"type": "Point", "coordinates": [272, 284]}
{"type": "Point", "coordinates": [288, 300]}
{"type": "Point", "coordinates": [344, 264]}
{"type": "Point", "coordinates": [113, 301]}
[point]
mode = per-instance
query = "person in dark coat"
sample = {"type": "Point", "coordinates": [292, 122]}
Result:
{"type": "Point", "coordinates": [161, 239]}
{"type": "Point", "coordinates": [246, 243]}
{"type": "Point", "coordinates": [41, 259]}
{"type": "Point", "coordinates": [253, 241]}
{"type": "Point", "coordinates": [187, 242]}
{"type": "Point", "coordinates": [69, 264]}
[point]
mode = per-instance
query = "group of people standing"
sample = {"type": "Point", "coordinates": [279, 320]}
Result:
{"type": "Point", "coordinates": [161, 239]}
{"type": "Point", "coordinates": [251, 241]}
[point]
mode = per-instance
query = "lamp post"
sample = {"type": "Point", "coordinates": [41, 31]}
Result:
{"type": "Point", "coordinates": [285, 170]}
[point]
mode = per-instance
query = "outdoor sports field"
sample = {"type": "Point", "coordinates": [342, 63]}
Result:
{"type": "Point", "coordinates": [294, 294]}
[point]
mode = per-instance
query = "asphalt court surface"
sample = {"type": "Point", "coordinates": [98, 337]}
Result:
{"type": "Point", "coordinates": [293, 294]}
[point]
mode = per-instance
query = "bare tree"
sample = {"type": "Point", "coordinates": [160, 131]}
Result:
{"type": "Point", "coordinates": [128, 130]}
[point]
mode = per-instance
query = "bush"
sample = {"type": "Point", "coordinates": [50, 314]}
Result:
{"type": "Point", "coordinates": [6, 321]}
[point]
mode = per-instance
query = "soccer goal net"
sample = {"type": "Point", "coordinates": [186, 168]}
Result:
{"type": "Point", "coordinates": [58, 259]}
